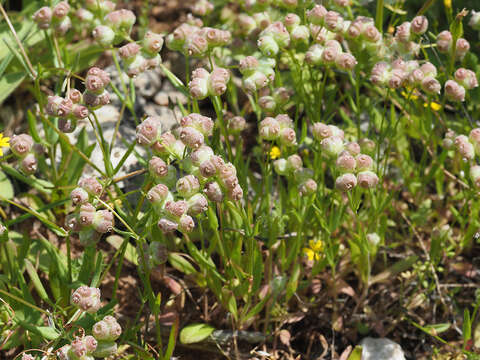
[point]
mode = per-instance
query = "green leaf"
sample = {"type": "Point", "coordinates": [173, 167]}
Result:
{"type": "Point", "coordinates": [437, 328]}
{"type": "Point", "coordinates": [395, 10]}
{"type": "Point", "coordinates": [39, 184]}
{"type": "Point", "coordinates": [6, 187]}
{"type": "Point", "coordinates": [4, 63]}
{"type": "Point", "coordinates": [32, 125]}
{"type": "Point", "coordinates": [356, 353]}
{"type": "Point", "coordinates": [51, 225]}
{"type": "Point", "coordinates": [48, 332]}
{"type": "Point", "coordinates": [98, 270]}
{"type": "Point", "coordinates": [229, 302]}
{"type": "Point", "coordinates": [37, 283]}
{"type": "Point", "coordinates": [293, 281]}
{"type": "Point", "coordinates": [181, 264]}
{"type": "Point", "coordinates": [195, 333]}
{"type": "Point", "coordinates": [456, 27]}
{"type": "Point", "coordinates": [467, 326]}
{"type": "Point", "coordinates": [130, 252]}
{"type": "Point", "coordinates": [172, 339]}
{"type": "Point", "coordinates": [10, 82]}
{"type": "Point", "coordinates": [256, 309]}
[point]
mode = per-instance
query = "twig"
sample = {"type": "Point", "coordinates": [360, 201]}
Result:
{"type": "Point", "coordinates": [19, 43]}
{"type": "Point", "coordinates": [134, 173]}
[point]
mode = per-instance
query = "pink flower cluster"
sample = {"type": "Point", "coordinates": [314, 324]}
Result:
{"type": "Point", "coordinates": [279, 128]}
{"type": "Point", "coordinates": [22, 147]}
{"type": "Point", "coordinates": [331, 138]}
{"type": "Point", "coordinates": [144, 56]}
{"type": "Point", "coordinates": [235, 124]}
{"type": "Point", "coordinates": [406, 73]}
{"type": "Point", "coordinates": [75, 105]}
{"type": "Point", "coordinates": [86, 217]}
{"type": "Point", "coordinates": [275, 103]}
{"type": "Point", "coordinates": [445, 43]}
{"type": "Point", "coordinates": [298, 33]}
{"type": "Point", "coordinates": [80, 348]}
{"type": "Point", "coordinates": [197, 41]}
{"type": "Point", "coordinates": [467, 147]}
{"type": "Point", "coordinates": [86, 299]}
{"type": "Point", "coordinates": [208, 176]}
{"type": "Point", "coordinates": [361, 33]}
{"type": "Point", "coordinates": [330, 53]}
{"type": "Point", "coordinates": [257, 72]}
{"type": "Point", "coordinates": [465, 79]}
{"type": "Point", "coordinates": [56, 18]}
{"type": "Point", "coordinates": [107, 329]}
{"type": "Point", "coordinates": [113, 28]}
{"type": "Point", "coordinates": [194, 128]}
{"type": "Point", "coordinates": [250, 24]}
{"type": "Point", "coordinates": [273, 38]}
{"type": "Point", "coordinates": [105, 332]}
{"type": "Point", "coordinates": [292, 168]}
{"type": "Point", "coordinates": [409, 31]}
{"type": "Point", "coordinates": [205, 84]}
{"type": "Point", "coordinates": [355, 167]}
{"type": "Point", "coordinates": [202, 7]}
{"type": "Point", "coordinates": [121, 21]}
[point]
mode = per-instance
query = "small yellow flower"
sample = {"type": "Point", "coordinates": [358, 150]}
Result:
{"type": "Point", "coordinates": [409, 96]}
{"type": "Point", "coordinates": [4, 142]}
{"type": "Point", "coordinates": [313, 252]}
{"type": "Point", "coordinates": [447, 3]}
{"type": "Point", "coordinates": [433, 105]}
{"type": "Point", "coordinates": [275, 153]}
{"type": "Point", "coordinates": [391, 29]}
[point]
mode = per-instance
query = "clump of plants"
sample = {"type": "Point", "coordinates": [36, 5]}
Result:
{"type": "Point", "coordinates": [319, 159]}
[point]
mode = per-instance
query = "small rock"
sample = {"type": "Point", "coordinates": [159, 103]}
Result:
{"type": "Point", "coordinates": [381, 349]}
{"type": "Point", "coordinates": [161, 99]}
{"type": "Point", "coordinates": [148, 82]}
{"type": "Point", "coordinates": [173, 94]}
{"type": "Point", "coordinates": [168, 117]}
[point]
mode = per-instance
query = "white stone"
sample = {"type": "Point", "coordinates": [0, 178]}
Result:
{"type": "Point", "coordinates": [381, 349]}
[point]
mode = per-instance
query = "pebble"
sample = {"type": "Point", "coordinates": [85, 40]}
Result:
{"type": "Point", "coordinates": [381, 349]}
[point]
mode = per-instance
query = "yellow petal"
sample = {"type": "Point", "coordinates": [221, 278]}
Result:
{"type": "Point", "coordinates": [275, 152]}
{"type": "Point", "coordinates": [316, 245]}
{"type": "Point", "coordinates": [309, 252]}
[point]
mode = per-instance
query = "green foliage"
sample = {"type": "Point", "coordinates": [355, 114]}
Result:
{"type": "Point", "coordinates": [286, 238]}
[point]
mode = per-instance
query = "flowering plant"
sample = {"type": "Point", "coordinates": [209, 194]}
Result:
{"type": "Point", "coordinates": [307, 146]}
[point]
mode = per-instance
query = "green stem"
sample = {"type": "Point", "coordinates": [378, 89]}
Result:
{"type": "Point", "coordinates": [379, 16]}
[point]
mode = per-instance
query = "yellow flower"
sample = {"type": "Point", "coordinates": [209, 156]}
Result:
{"type": "Point", "coordinates": [433, 105]}
{"type": "Point", "coordinates": [275, 152]}
{"type": "Point", "coordinates": [409, 96]}
{"type": "Point", "coordinates": [447, 3]}
{"type": "Point", "coordinates": [313, 252]}
{"type": "Point", "coordinates": [3, 143]}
